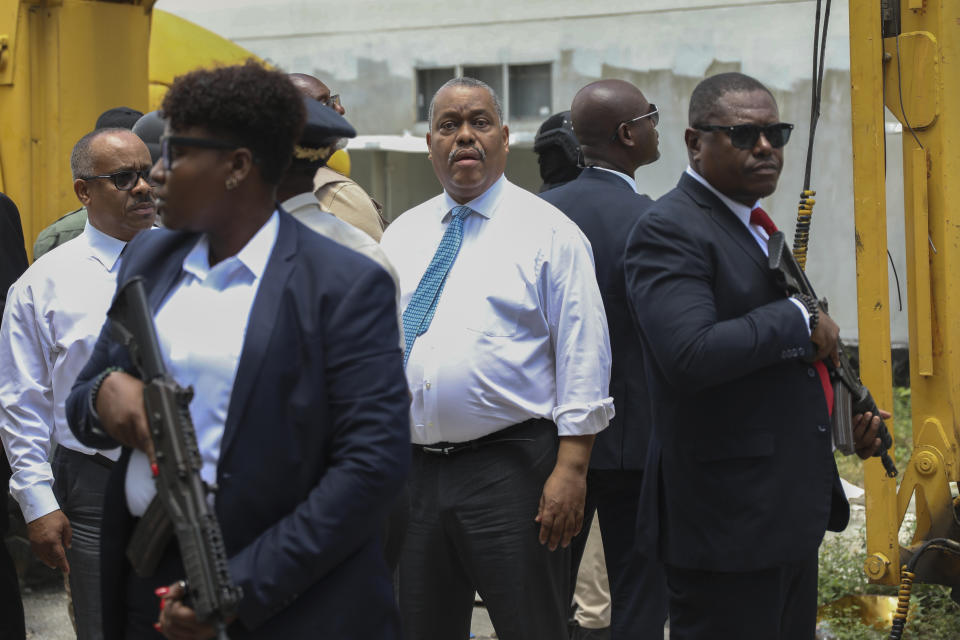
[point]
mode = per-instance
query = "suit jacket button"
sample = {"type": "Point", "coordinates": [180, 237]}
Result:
{"type": "Point", "coordinates": [811, 372]}
{"type": "Point", "coordinates": [822, 428]}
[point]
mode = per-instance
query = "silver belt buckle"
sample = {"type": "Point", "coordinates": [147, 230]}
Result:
{"type": "Point", "coordinates": [444, 451]}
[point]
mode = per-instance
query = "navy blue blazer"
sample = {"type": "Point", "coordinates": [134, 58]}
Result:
{"type": "Point", "coordinates": [316, 444]}
{"type": "Point", "coordinates": [606, 208]}
{"type": "Point", "coordinates": [740, 474]}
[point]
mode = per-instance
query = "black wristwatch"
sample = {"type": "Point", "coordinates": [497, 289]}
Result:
{"type": "Point", "coordinates": [812, 306]}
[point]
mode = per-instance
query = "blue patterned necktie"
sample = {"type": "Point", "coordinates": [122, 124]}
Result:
{"type": "Point", "coordinates": [419, 312]}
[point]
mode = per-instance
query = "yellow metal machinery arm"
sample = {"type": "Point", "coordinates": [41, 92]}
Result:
{"type": "Point", "coordinates": [62, 63]}
{"type": "Point", "coordinates": [905, 55]}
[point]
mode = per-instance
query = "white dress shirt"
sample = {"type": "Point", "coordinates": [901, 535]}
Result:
{"type": "Point", "coordinates": [759, 234]}
{"type": "Point", "coordinates": [201, 326]}
{"type": "Point", "coordinates": [306, 208]}
{"type": "Point", "coordinates": [51, 322]}
{"type": "Point", "coordinates": [519, 330]}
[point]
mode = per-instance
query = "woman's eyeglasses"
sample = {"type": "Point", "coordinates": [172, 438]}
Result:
{"type": "Point", "coordinates": [168, 142]}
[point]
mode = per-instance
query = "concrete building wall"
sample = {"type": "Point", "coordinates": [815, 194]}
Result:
{"type": "Point", "coordinates": [369, 51]}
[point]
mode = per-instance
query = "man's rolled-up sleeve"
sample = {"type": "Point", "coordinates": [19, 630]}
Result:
{"type": "Point", "coordinates": [581, 339]}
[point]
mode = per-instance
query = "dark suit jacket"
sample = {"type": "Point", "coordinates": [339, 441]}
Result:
{"type": "Point", "coordinates": [316, 443]}
{"type": "Point", "coordinates": [740, 473]}
{"type": "Point", "coordinates": [606, 208]}
{"type": "Point", "coordinates": [13, 262]}
{"type": "Point", "coordinates": [13, 255]}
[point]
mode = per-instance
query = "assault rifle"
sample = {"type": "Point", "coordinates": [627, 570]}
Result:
{"type": "Point", "coordinates": [181, 505]}
{"type": "Point", "coordinates": [850, 395]}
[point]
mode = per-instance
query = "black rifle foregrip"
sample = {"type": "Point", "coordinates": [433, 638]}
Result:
{"type": "Point", "coordinates": [866, 404]}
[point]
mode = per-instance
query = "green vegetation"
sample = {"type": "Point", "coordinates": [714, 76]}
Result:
{"type": "Point", "coordinates": [934, 615]}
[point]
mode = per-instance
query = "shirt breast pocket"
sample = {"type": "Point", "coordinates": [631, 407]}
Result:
{"type": "Point", "coordinates": [497, 317]}
{"type": "Point", "coordinates": [495, 305]}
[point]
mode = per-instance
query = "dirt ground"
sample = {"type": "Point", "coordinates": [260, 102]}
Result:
{"type": "Point", "coordinates": [45, 610]}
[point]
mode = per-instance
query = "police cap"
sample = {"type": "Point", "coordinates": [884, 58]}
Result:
{"type": "Point", "coordinates": [323, 127]}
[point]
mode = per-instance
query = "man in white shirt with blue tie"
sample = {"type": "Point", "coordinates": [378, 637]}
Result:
{"type": "Point", "coordinates": [52, 318]}
{"type": "Point", "coordinates": [508, 360]}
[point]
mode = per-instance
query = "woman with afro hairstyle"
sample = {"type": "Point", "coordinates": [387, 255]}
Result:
{"type": "Point", "coordinates": [300, 405]}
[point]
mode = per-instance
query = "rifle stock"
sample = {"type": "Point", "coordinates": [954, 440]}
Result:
{"type": "Point", "coordinates": [851, 397]}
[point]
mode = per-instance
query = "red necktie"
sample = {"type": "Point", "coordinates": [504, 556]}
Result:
{"type": "Point", "coordinates": [760, 218]}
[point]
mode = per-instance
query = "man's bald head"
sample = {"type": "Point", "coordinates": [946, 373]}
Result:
{"type": "Point", "coordinates": [315, 89]}
{"type": "Point", "coordinates": [600, 106]}
{"type": "Point", "coordinates": [605, 120]}
{"type": "Point", "coordinates": [310, 86]}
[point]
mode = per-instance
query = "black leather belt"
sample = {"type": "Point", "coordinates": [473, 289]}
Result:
{"type": "Point", "coordinates": [102, 460]}
{"type": "Point", "coordinates": [510, 434]}
{"type": "Point", "coordinates": [450, 448]}
{"type": "Point", "coordinates": [96, 458]}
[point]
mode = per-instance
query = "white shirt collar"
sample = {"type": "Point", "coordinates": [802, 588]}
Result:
{"type": "Point", "coordinates": [485, 204]}
{"type": "Point", "coordinates": [254, 255]}
{"type": "Point", "coordinates": [629, 179]}
{"type": "Point", "coordinates": [742, 211]}
{"type": "Point", "coordinates": [105, 248]}
{"type": "Point", "coordinates": [300, 200]}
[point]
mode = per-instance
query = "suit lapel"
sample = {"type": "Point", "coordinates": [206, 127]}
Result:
{"type": "Point", "coordinates": [167, 268]}
{"type": "Point", "coordinates": [727, 220]}
{"type": "Point", "coordinates": [261, 324]}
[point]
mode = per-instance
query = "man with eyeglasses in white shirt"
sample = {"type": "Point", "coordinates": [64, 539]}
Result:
{"type": "Point", "coordinates": [508, 361]}
{"type": "Point", "coordinates": [52, 318]}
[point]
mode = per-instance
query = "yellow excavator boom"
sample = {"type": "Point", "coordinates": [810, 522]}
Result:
{"type": "Point", "coordinates": [62, 64]}
{"type": "Point", "coordinates": [904, 55]}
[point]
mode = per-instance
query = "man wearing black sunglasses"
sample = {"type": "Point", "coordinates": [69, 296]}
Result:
{"type": "Point", "coordinates": [71, 225]}
{"type": "Point", "coordinates": [616, 128]}
{"type": "Point", "coordinates": [740, 483]}
{"type": "Point", "coordinates": [52, 318]}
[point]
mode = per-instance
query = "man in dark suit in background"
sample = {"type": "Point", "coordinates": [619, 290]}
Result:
{"type": "Point", "coordinates": [740, 479]}
{"type": "Point", "coordinates": [13, 256]}
{"type": "Point", "coordinates": [616, 129]}
{"type": "Point", "coordinates": [13, 262]}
